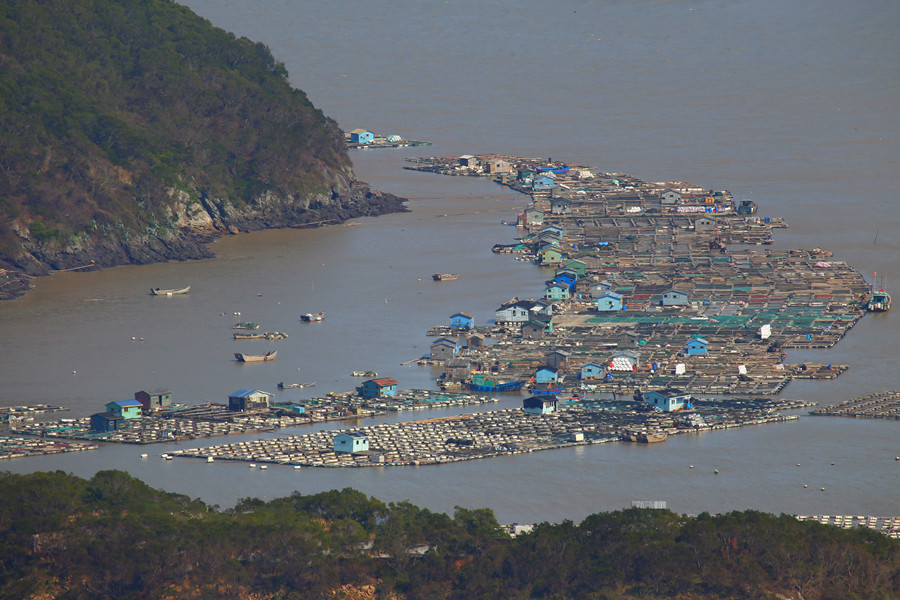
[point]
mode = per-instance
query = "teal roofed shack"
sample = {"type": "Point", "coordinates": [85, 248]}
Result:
{"type": "Point", "coordinates": [127, 409]}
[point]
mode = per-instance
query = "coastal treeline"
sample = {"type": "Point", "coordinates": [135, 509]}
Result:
{"type": "Point", "coordinates": [107, 106]}
{"type": "Point", "coordinates": [114, 537]}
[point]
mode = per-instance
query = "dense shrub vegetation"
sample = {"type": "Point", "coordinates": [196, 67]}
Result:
{"type": "Point", "coordinates": [106, 104]}
{"type": "Point", "coordinates": [114, 537]}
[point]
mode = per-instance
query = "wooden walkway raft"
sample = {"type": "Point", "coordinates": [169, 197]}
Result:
{"type": "Point", "coordinates": [492, 433]}
{"type": "Point", "coordinates": [880, 405]}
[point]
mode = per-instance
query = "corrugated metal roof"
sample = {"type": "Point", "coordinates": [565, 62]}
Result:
{"type": "Point", "coordinates": [127, 403]}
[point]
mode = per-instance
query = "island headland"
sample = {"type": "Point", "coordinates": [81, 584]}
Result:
{"type": "Point", "coordinates": [130, 153]}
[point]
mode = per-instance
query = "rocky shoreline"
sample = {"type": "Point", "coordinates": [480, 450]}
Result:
{"type": "Point", "coordinates": [195, 223]}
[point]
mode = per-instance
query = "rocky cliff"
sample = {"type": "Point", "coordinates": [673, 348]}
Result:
{"type": "Point", "coordinates": [193, 221]}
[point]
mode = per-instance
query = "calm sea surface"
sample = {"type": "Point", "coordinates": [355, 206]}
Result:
{"type": "Point", "coordinates": [790, 104]}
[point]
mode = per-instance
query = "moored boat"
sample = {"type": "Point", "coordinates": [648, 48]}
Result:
{"type": "Point", "coordinates": [445, 276]}
{"type": "Point", "coordinates": [482, 382]}
{"type": "Point", "coordinates": [246, 325]}
{"type": "Point", "coordinates": [313, 317]}
{"type": "Point", "coordinates": [269, 335]}
{"type": "Point", "coordinates": [577, 398]}
{"type": "Point", "coordinates": [545, 390]}
{"type": "Point", "coordinates": [561, 170]}
{"type": "Point", "coordinates": [287, 386]}
{"type": "Point", "coordinates": [241, 357]}
{"type": "Point", "coordinates": [643, 437]}
{"type": "Point", "coordinates": [249, 336]}
{"type": "Point", "coordinates": [169, 292]}
{"type": "Point", "coordinates": [879, 302]}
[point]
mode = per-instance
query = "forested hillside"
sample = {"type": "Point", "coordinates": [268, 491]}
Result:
{"type": "Point", "coordinates": [114, 537]}
{"type": "Point", "coordinates": [125, 123]}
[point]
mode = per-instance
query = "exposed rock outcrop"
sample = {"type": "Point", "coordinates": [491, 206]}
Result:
{"type": "Point", "coordinates": [194, 220]}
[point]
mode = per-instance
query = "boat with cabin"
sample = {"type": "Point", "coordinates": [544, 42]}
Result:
{"type": "Point", "coordinates": [880, 301]}
{"type": "Point", "coordinates": [561, 170]}
{"type": "Point", "coordinates": [445, 276]}
{"type": "Point", "coordinates": [241, 357]}
{"type": "Point", "coordinates": [487, 382]}
{"type": "Point", "coordinates": [643, 437]}
{"type": "Point", "coordinates": [170, 291]}
{"type": "Point", "coordinates": [364, 374]}
{"type": "Point", "coordinates": [313, 317]}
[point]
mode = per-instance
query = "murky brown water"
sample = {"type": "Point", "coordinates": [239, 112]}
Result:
{"type": "Point", "coordinates": [794, 110]}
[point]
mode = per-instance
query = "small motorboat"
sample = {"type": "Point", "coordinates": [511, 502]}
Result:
{"type": "Point", "coordinates": [241, 357]}
{"type": "Point", "coordinates": [169, 292]}
{"type": "Point", "coordinates": [312, 318]}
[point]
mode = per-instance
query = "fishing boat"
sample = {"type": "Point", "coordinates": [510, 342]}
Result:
{"type": "Point", "coordinates": [561, 170]}
{"type": "Point", "coordinates": [312, 318]}
{"type": "Point", "coordinates": [364, 374]}
{"type": "Point", "coordinates": [642, 437]}
{"type": "Point", "coordinates": [245, 326]}
{"type": "Point", "coordinates": [484, 382]}
{"type": "Point", "coordinates": [286, 386]}
{"type": "Point", "coordinates": [578, 398]}
{"type": "Point", "coordinates": [445, 276]}
{"type": "Point", "coordinates": [545, 391]}
{"type": "Point", "coordinates": [249, 336]}
{"type": "Point", "coordinates": [241, 357]}
{"type": "Point", "coordinates": [879, 302]}
{"type": "Point", "coordinates": [169, 292]}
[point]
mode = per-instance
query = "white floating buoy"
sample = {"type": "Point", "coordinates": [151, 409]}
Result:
{"type": "Point", "coordinates": [252, 465]}
{"type": "Point", "coordinates": [143, 456]}
{"type": "Point", "coordinates": [823, 489]}
{"type": "Point", "coordinates": [798, 464]}
{"type": "Point", "coordinates": [690, 466]}
{"type": "Point", "coordinates": [266, 467]}
{"type": "Point", "coordinates": [806, 486]}
{"type": "Point", "coordinates": [296, 467]}
{"type": "Point", "coordinates": [716, 471]}
{"type": "Point", "coordinates": [74, 371]}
